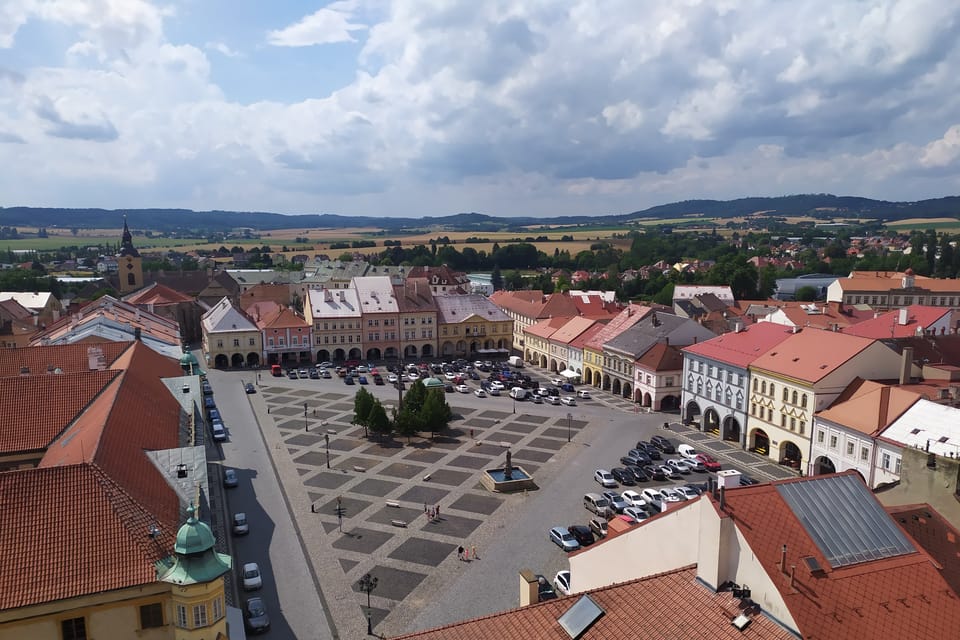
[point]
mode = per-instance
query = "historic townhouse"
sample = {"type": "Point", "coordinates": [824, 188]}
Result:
{"type": "Point", "coordinates": [576, 348]}
{"type": "Point", "coordinates": [845, 435]}
{"type": "Point", "coordinates": [621, 353]}
{"type": "Point", "coordinates": [230, 339]}
{"type": "Point", "coordinates": [471, 325]}
{"type": "Point", "coordinates": [803, 375]}
{"type": "Point", "coordinates": [418, 319]}
{"type": "Point", "coordinates": [286, 337]}
{"type": "Point", "coordinates": [337, 324]}
{"type": "Point", "coordinates": [563, 357]}
{"type": "Point", "coordinates": [926, 426]}
{"type": "Point", "coordinates": [893, 290]}
{"type": "Point", "coordinates": [716, 378]}
{"type": "Point", "coordinates": [536, 339]}
{"type": "Point", "coordinates": [906, 322]}
{"type": "Point", "coordinates": [526, 308]}
{"type": "Point", "coordinates": [593, 348]}
{"type": "Point", "coordinates": [381, 315]}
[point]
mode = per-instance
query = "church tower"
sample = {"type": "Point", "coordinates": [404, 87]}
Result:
{"type": "Point", "coordinates": [129, 263]}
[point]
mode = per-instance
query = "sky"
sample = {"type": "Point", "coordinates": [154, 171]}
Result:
{"type": "Point", "coordinates": [429, 107]}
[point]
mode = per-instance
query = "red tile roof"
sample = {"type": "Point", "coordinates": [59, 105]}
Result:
{"type": "Point", "coordinates": [534, 305]}
{"type": "Point", "coordinates": [573, 328]}
{"type": "Point", "coordinates": [869, 407]}
{"type": "Point", "coordinates": [593, 306]}
{"type": "Point", "coordinates": [72, 530]}
{"type": "Point", "coordinates": [623, 321]}
{"type": "Point", "coordinates": [157, 295]}
{"type": "Point", "coordinates": [883, 281]}
{"type": "Point", "coordinates": [45, 405]}
{"type": "Point", "coordinates": [897, 597]}
{"type": "Point", "coordinates": [69, 358]}
{"type": "Point", "coordinates": [811, 354]}
{"type": "Point", "coordinates": [740, 348]}
{"type": "Point", "coordinates": [546, 328]}
{"type": "Point", "coordinates": [935, 535]}
{"type": "Point", "coordinates": [887, 325]}
{"type": "Point", "coordinates": [280, 318]}
{"type": "Point", "coordinates": [667, 606]}
{"type": "Point", "coordinates": [587, 336]}
{"type": "Point", "coordinates": [661, 357]}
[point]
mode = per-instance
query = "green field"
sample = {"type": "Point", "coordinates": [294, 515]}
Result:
{"type": "Point", "coordinates": [53, 243]}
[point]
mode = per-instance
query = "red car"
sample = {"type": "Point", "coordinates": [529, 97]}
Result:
{"type": "Point", "coordinates": [708, 461]}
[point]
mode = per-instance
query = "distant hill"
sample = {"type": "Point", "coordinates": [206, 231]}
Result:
{"type": "Point", "coordinates": [203, 222]}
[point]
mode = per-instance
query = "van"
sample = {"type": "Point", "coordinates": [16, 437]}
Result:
{"type": "Point", "coordinates": [519, 393]}
{"type": "Point", "coordinates": [597, 504]}
{"type": "Point", "coordinates": [515, 361]}
{"type": "Point", "coordinates": [275, 370]}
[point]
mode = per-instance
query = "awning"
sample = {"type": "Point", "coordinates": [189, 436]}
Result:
{"type": "Point", "coordinates": [569, 374]}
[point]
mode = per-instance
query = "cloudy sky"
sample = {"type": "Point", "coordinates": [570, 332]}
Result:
{"type": "Point", "coordinates": [429, 107]}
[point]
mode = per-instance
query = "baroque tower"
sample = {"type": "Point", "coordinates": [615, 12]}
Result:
{"type": "Point", "coordinates": [129, 263]}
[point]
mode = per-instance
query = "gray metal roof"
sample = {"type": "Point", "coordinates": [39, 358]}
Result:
{"type": "Point", "coordinates": [845, 520]}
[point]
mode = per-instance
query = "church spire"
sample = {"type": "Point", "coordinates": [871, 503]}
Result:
{"type": "Point", "coordinates": [126, 243]}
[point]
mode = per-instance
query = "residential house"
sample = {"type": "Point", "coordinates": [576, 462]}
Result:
{"type": "Point", "coordinates": [230, 338]}
{"type": "Point", "coordinates": [249, 278]}
{"type": "Point", "coordinates": [337, 324]}
{"type": "Point", "coordinates": [819, 315]}
{"type": "Point", "coordinates": [716, 378]}
{"type": "Point", "coordinates": [279, 294]}
{"type": "Point", "coordinates": [660, 387]}
{"type": "Point", "coordinates": [906, 322]}
{"type": "Point", "coordinates": [802, 375]}
{"type": "Point", "coordinates": [576, 348]}
{"type": "Point", "coordinates": [891, 290]}
{"type": "Point", "coordinates": [930, 428]}
{"type": "Point", "coordinates": [17, 324]}
{"type": "Point", "coordinates": [442, 280]}
{"type": "Point", "coordinates": [689, 291]}
{"type": "Point", "coordinates": [593, 349]}
{"type": "Point", "coordinates": [43, 304]}
{"type": "Point", "coordinates": [419, 323]}
{"type": "Point", "coordinates": [786, 288]}
{"type": "Point", "coordinates": [208, 286]}
{"type": "Point", "coordinates": [778, 548]}
{"type": "Point", "coordinates": [526, 308]}
{"type": "Point", "coordinates": [536, 340]}
{"type": "Point", "coordinates": [472, 325]}
{"type": "Point", "coordinates": [561, 358]}
{"type": "Point", "coordinates": [381, 313]}
{"type": "Point", "coordinates": [286, 338]}
{"type": "Point", "coordinates": [177, 307]}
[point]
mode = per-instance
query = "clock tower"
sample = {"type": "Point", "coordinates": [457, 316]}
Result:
{"type": "Point", "coordinates": [129, 263]}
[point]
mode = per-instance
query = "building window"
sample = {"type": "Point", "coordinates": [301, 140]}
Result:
{"type": "Point", "coordinates": [849, 448]}
{"type": "Point", "coordinates": [282, 341]}
{"type": "Point", "coordinates": [803, 427]}
{"type": "Point", "coordinates": [151, 615]}
{"type": "Point", "coordinates": [820, 436]}
{"type": "Point", "coordinates": [754, 385]}
{"type": "Point", "coordinates": [771, 389]}
{"type": "Point", "coordinates": [864, 453]}
{"type": "Point", "coordinates": [885, 461]}
{"type": "Point", "coordinates": [763, 388]}
{"type": "Point", "coordinates": [74, 629]}
{"type": "Point", "coordinates": [182, 617]}
{"type": "Point", "coordinates": [253, 342]}
{"type": "Point", "coordinates": [785, 392]}
{"type": "Point", "coordinates": [236, 342]}
{"type": "Point", "coordinates": [783, 420]}
{"type": "Point", "coordinates": [220, 344]}
{"type": "Point", "coordinates": [803, 401]}
{"type": "Point", "coordinates": [217, 609]}
{"type": "Point", "coordinates": [833, 442]}
{"type": "Point", "coordinates": [794, 399]}
{"type": "Point", "coordinates": [669, 381]}
{"type": "Point", "coordinates": [793, 424]}
{"type": "Point", "coordinates": [753, 409]}
{"type": "Point", "coordinates": [200, 615]}
{"type": "Point", "coordinates": [896, 469]}
{"type": "Point", "coordinates": [269, 342]}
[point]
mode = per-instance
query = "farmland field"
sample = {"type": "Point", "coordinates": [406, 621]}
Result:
{"type": "Point", "coordinates": [940, 224]}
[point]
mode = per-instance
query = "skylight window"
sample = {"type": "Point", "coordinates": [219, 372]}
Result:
{"type": "Point", "coordinates": [580, 617]}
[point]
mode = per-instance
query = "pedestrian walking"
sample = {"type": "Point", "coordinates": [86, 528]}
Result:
{"type": "Point", "coordinates": [436, 510]}
{"type": "Point", "coordinates": [460, 553]}
{"type": "Point", "coordinates": [424, 508]}
{"type": "Point", "coordinates": [466, 553]}
{"type": "Point", "coordinates": [475, 556]}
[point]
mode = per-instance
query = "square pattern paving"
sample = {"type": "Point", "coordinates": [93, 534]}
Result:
{"type": "Point", "coordinates": [374, 487]}
{"type": "Point", "coordinates": [313, 458]}
{"type": "Point", "coordinates": [449, 477]}
{"type": "Point", "coordinates": [477, 504]}
{"type": "Point", "coordinates": [385, 448]}
{"type": "Point", "coordinates": [424, 495]}
{"type": "Point", "coordinates": [333, 396]}
{"type": "Point", "coordinates": [344, 444]}
{"type": "Point", "coordinates": [699, 436]}
{"type": "Point", "coordinates": [479, 423]}
{"type": "Point", "coordinates": [394, 584]}
{"type": "Point", "coordinates": [532, 454]}
{"type": "Point", "coordinates": [387, 515]}
{"type": "Point", "coordinates": [341, 407]}
{"type": "Point", "coordinates": [495, 415]}
{"type": "Point", "coordinates": [499, 436]}
{"type": "Point", "coordinates": [400, 470]}
{"type": "Point", "coordinates": [323, 414]}
{"type": "Point", "coordinates": [422, 551]}
{"type": "Point", "coordinates": [487, 449]}
{"type": "Point", "coordinates": [426, 456]}
{"type": "Point", "coordinates": [559, 432]}
{"type": "Point", "coordinates": [327, 480]}
{"type": "Point", "coordinates": [532, 419]}
{"type": "Point", "coordinates": [358, 465]}
{"type": "Point", "coordinates": [450, 525]}
{"type": "Point", "coordinates": [716, 445]}
{"type": "Point", "coordinates": [352, 506]}
{"type": "Point", "coordinates": [303, 439]}
{"type": "Point", "coordinates": [292, 425]}
{"type": "Point", "coordinates": [361, 540]}
{"type": "Point", "coordinates": [547, 443]}
{"type": "Point", "coordinates": [778, 471]}
{"type": "Point", "coordinates": [286, 411]}
{"type": "Point", "coordinates": [519, 427]}
{"type": "Point", "coordinates": [574, 424]}
{"type": "Point", "coordinates": [469, 462]}
{"type": "Point", "coordinates": [347, 564]}
{"type": "Point", "coordinates": [742, 457]}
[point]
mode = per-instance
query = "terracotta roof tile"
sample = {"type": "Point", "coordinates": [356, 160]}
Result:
{"type": "Point", "coordinates": [882, 281]}
{"type": "Point", "coordinates": [46, 405]}
{"type": "Point", "coordinates": [811, 354]}
{"type": "Point", "coordinates": [869, 407]}
{"type": "Point", "coordinates": [157, 295]}
{"type": "Point", "coordinates": [69, 358]}
{"type": "Point", "coordinates": [623, 321]}
{"type": "Point", "coordinates": [668, 606]}
{"type": "Point", "coordinates": [573, 328]}
{"type": "Point", "coordinates": [661, 357]}
{"type": "Point", "coordinates": [935, 535]}
{"type": "Point", "coordinates": [887, 325]}
{"type": "Point", "coordinates": [588, 335]}
{"type": "Point", "coordinates": [70, 531]}
{"type": "Point", "coordinates": [546, 328]}
{"type": "Point", "coordinates": [740, 348]}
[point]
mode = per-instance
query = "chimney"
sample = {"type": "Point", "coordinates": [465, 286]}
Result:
{"type": "Point", "coordinates": [902, 316]}
{"type": "Point", "coordinates": [529, 588]}
{"type": "Point", "coordinates": [136, 334]}
{"type": "Point", "coordinates": [906, 364]}
{"type": "Point", "coordinates": [783, 559]}
{"type": "Point", "coordinates": [793, 576]}
{"type": "Point", "coordinates": [884, 406]}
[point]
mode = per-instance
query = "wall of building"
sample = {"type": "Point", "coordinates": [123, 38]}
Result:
{"type": "Point", "coordinates": [835, 442]}
{"type": "Point", "coordinates": [919, 483]}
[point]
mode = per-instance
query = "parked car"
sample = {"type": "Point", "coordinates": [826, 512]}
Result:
{"type": "Point", "coordinates": [597, 504]}
{"type": "Point", "coordinates": [392, 378]}
{"type": "Point", "coordinates": [219, 431]}
{"type": "Point", "coordinates": [493, 391]}
{"type": "Point", "coordinates": [537, 399]}
{"type": "Point", "coordinates": [604, 478]}
{"type": "Point", "coordinates": [678, 466]}
{"type": "Point", "coordinates": [324, 373]}
{"type": "Point", "coordinates": [564, 539]}
{"type": "Point", "coordinates": [633, 498]}
{"type": "Point", "coordinates": [325, 365]}
{"type": "Point", "coordinates": [462, 388]}
{"type": "Point", "coordinates": [709, 462]}
{"type": "Point", "coordinates": [413, 376]}
{"type": "Point", "coordinates": [209, 403]}
{"type": "Point", "coordinates": [598, 526]}
{"type": "Point", "coordinates": [229, 478]}
{"type": "Point", "coordinates": [652, 495]}
{"type": "Point", "coordinates": [650, 448]}
{"type": "Point", "coordinates": [641, 455]}
{"type": "Point", "coordinates": [671, 495]}
{"type": "Point", "coordinates": [631, 460]}
{"type": "Point", "coordinates": [377, 379]}
{"type": "Point", "coordinates": [570, 401]}
{"type": "Point", "coordinates": [747, 480]}
{"type": "Point", "coordinates": [252, 580]}
{"type": "Point", "coordinates": [348, 380]}
{"type": "Point", "coordinates": [688, 492]}
{"type": "Point", "coordinates": [303, 373]}
{"type": "Point", "coordinates": [686, 451]}
{"type": "Point", "coordinates": [638, 473]}
{"type": "Point", "coordinates": [561, 582]}
{"type": "Point", "coordinates": [617, 503]}
{"type": "Point", "coordinates": [249, 388]}
{"type": "Point", "coordinates": [314, 374]}
{"type": "Point", "coordinates": [544, 590]}
{"type": "Point", "coordinates": [669, 472]}
{"type": "Point", "coordinates": [694, 465]}
{"type": "Point", "coordinates": [623, 476]}
{"type": "Point", "coordinates": [362, 379]}
{"type": "Point", "coordinates": [584, 394]}
{"type": "Point", "coordinates": [696, 488]}
{"type": "Point", "coordinates": [654, 472]}
{"type": "Point", "coordinates": [240, 526]}
{"type": "Point", "coordinates": [553, 400]}
{"type": "Point", "coordinates": [255, 617]}
{"type": "Point", "coordinates": [636, 513]}
{"type": "Point", "coordinates": [663, 444]}
{"type": "Point", "coordinates": [582, 534]}
{"type": "Point", "coordinates": [480, 393]}
{"type": "Point", "coordinates": [448, 388]}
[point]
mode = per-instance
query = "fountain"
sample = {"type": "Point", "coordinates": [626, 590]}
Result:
{"type": "Point", "coordinates": [508, 478]}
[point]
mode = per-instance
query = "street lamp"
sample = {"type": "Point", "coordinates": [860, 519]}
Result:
{"type": "Point", "coordinates": [569, 418]}
{"type": "Point", "coordinates": [305, 427]}
{"type": "Point", "coordinates": [326, 438]}
{"type": "Point", "coordinates": [368, 583]}
{"type": "Point", "coordinates": [514, 402]}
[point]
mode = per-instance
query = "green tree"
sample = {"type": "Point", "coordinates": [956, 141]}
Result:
{"type": "Point", "coordinates": [406, 422]}
{"type": "Point", "coordinates": [436, 413]}
{"type": "Point", "coordinates": [496, 279]}
{"type": "Point", "coordinates": [415, 397]}
{"type": "Point", "coordinates": [362, 404]}
{"type": "Point", "coordinates": [805, 294]}
{"type": "Point", "coordinates": [377, 419]}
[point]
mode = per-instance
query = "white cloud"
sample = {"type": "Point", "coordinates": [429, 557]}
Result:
{"type": "Point", "coordinates": [944, 151]}
{"type": "Point", "coordinates": [623, 116]}
{"type": "Point", "coordinates": [325, 26]}
{"type": "Point", "coordinates": [223, 49]}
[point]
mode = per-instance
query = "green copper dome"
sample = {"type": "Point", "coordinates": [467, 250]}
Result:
{"type": "Point", "coordinates": [188, 360]}
{"type": "Point", "coordinates": [194, 536]}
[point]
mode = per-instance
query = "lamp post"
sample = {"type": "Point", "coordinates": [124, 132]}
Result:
{"type": "Point", "coordinates": [305, 427]}
{"type": "Point", "coordinates": [569, 418]}
{"type": "Point", "coordinates": [367, 584]}
{"type": "Point", "coordinates": [326, 438]}
{"type": "Point", "coordinates": [514, 401]}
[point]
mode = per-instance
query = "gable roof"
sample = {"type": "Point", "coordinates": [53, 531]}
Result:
{"type": "Point", "coordinates": [651, 329]}
{"type": "Point", "coordinates": [898, 594]}
{"type": "Point", "coordinates": [223, 317]}
{"type": "Point", "coordinates": [279, 294]}
{"type": "Point", "coordinates": [884, 281]}
{"type": "Point", "coordinates": [571, 329]}
{"type": "Point", "coordinates": [12, 310]}
{"type": "Point", "coordinates": [376, 294]}
{"type": "Point", "coordinates": [927, 425]}
{"type": "Point", "coordinates": [868, 407]}
{"type": "Point", "coordinates": [157, 294]}
{"type": "Point", "coordinates": [546, 328]}
{"type": "Point", "coordinates": [588, 335]}
{"type": "Point", "coordinates": [453, 309]}
{"type": "Point", "coordinates": [740, 348]}
{"type": "Point", "coordinates": [29, 300]}
{"type": "Point", "coordinates": [69, 358]}
{"type": "Point", "coordinates": [594, 306]}
{"type": "Point", "coordinates": [631, 610]}
{"type": "Point", "coordinates": [279, 318]}
{"type": "Point", "coordinates": [811, 354]}
{"type": "Point", "coordinates": [935, 534]}
{"type": "Point", "coordinates": [334, 303]}
{"type": "Point", "coordinates": [623, 321]}
{"type": "Point", "coordinates": [887, 325]}
{"type": "Point", "coordinates": [661, 357]}
{"type": "Point", "coordinates": [414, 295]}
{"type": "Point", "coordinates": [534, 304]}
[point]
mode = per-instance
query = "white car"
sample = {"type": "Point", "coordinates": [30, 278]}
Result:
{"type": "Point", "coordinates": [450, 375]}
{"type": "Point", "coordinates": [687, 451]}
{"type": "Point", "coordinates": [688, 493]}
{"type": "Point", "coordinates": [636, 513]}
{"type": "Point", "coordinates": [678, 466]}
{"type": "Point", "coordinates": [561, 582]}
{"type": "Point", "coordinates": [413, 376]}
{"type": "Point", "coordinates": [392, 378]}
{"type": "Point", "coordinates": [604, 478]}
{"type": "Point", "coordinates": [570, 401]}
{"type": "Point", "coordinates": [499, 386]}
{"type": "Point", "coordinates": [652, 495]}
{"type": "Point", "coordinates": [251, 576]}
{"type": "Point", "coordinates": [668, 471]}
{"type": "Point", "coordinates": [493, 391]}
{"type": "Point", "coordinates": [462, 388]}
{"type": "Point", "coordinates": [480, 393]}
{"type": "Point", "coordinates": [583, 393]}
{"type": "Point", "coordinates": [553, 399]}
{"type": "Point", "coordinates": [671, 495]}
{"type": "Point", "coordinates": [633, 498]}
{"type": "Point", "coordinates": [557, 382]}
{"type": "Point", "coordinates": [694, 465]}
{"type": "Point", "coordinates": [362, 368]}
